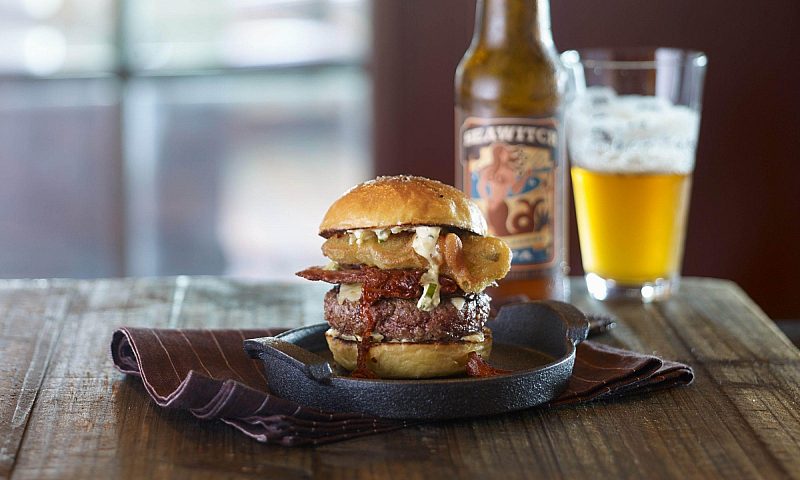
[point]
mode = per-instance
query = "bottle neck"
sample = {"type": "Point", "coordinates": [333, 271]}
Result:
{"type": "Point", "coordinates": [503, 23]}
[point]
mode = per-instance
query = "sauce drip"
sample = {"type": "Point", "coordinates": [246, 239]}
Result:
{"type": "Point", "coordinates": [478, 367]}
{"type": "Point", "coordinates": [368, 297]}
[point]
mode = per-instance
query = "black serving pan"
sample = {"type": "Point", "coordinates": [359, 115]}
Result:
{"type": "Point", "coordinates": [536, 340]}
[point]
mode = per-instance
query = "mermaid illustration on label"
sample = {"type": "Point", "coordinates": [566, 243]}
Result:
{"type": "Point", "coordinates": [513, 186]}
{"type": "Point", "coordinates": [505, 176]}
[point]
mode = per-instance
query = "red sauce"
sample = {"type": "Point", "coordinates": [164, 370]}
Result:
{"type": "Point", "coordinates": [478, 367]}
{"type": "Point", "coordinates": [362, 368]}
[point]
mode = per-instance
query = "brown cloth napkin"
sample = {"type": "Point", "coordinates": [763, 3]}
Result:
{"type": "Point", "coordinates": [208, 373]}
{"type": "Point", "coordinates": [602, 373]}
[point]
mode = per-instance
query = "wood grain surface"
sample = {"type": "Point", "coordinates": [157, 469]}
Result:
{"type": "Point", "coordinates": [66, 413]}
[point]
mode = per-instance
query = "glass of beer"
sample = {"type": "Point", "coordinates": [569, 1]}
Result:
{"type": "Point", "coordinates": [632, 128]}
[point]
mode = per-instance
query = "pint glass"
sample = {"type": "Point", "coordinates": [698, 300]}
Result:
{"type": "Point", "coordinates": [632, 130]}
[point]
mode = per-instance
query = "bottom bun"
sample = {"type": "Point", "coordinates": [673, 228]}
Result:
{"type": "Point", "coordinates": [408, 359]}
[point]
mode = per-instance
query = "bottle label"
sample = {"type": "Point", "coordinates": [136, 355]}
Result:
{"type": "Point", "coordinates": [510, 172]}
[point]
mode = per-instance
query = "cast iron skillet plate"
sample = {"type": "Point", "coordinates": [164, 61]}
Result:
{"type": "Point", "coordinates": [536, 340]}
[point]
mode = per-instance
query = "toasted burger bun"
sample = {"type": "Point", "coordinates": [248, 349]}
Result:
{"type": "Point", "coordinates": [410, 360]}
{"type": "Point", "coordinates": [402, 200]}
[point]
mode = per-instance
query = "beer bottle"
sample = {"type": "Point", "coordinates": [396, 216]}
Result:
{"type": "Point", "coordinates": [510, 141]}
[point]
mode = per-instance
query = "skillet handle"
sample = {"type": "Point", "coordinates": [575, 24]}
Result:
{"type": "Point", "coordinates": [576, 322]}
{"type": "Point", "coordinates": [573, 320]}
{"type": "Point", "coordinates": [311, 364]}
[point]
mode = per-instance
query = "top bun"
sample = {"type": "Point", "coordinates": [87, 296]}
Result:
{"type": "Point", "coordinates": [399, 201]}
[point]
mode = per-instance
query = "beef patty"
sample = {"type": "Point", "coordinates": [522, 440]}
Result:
{"type": "Point", "coordinates": [400, 319]}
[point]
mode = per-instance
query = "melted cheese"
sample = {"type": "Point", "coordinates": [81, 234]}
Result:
{"type": "Point", "coordinates": [424, 244]}
{"type": "Point", "coordinates": [331, 266]}
{"type": "Point", "coordinates": [350, 292]}
{"type": "Point", "coordinates": [382, 234]}
{"type": "Point", "coordinates": [376, 337]}
{"type": "Point", "coordinates": [359, 236]}
{"type": "Point", "coordinates": [475, 337]}
{"type": "Point", "coordinates": [458, 302]}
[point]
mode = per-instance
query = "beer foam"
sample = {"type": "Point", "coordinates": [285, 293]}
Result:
{"type": "Point", "coordinates": [631, 133]}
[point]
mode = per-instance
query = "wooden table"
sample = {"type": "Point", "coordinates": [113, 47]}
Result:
{"type": "Point", "coordinates": [66, 413]}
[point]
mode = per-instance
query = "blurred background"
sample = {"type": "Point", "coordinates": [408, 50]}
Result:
{"type": "Point", "coordinates": [143, 137]}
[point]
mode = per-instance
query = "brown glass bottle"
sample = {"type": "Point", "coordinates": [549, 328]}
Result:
{"type": "Point", "coordinates": [510, 141]}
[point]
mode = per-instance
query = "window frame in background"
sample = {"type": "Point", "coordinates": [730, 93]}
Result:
{"type": "Point", "coordinates": [126, 226]}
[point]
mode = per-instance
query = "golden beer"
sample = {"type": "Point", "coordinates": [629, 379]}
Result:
{"type": "Point", "coordinates": [631, 225]}
{"type": "Point", "coordinates": [633, 125]}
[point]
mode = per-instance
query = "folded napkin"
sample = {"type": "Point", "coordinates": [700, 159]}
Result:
{"type": "Point", "coordinates": [208, 373]}
{"type": "Point", "coordinates": [602, 373]}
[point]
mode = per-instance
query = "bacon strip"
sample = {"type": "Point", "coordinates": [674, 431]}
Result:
{"type": "Point", "coordinates": [381, 283]}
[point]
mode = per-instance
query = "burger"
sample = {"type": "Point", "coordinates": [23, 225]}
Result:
{"type": "Point", "coordinates": [409, 260]}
